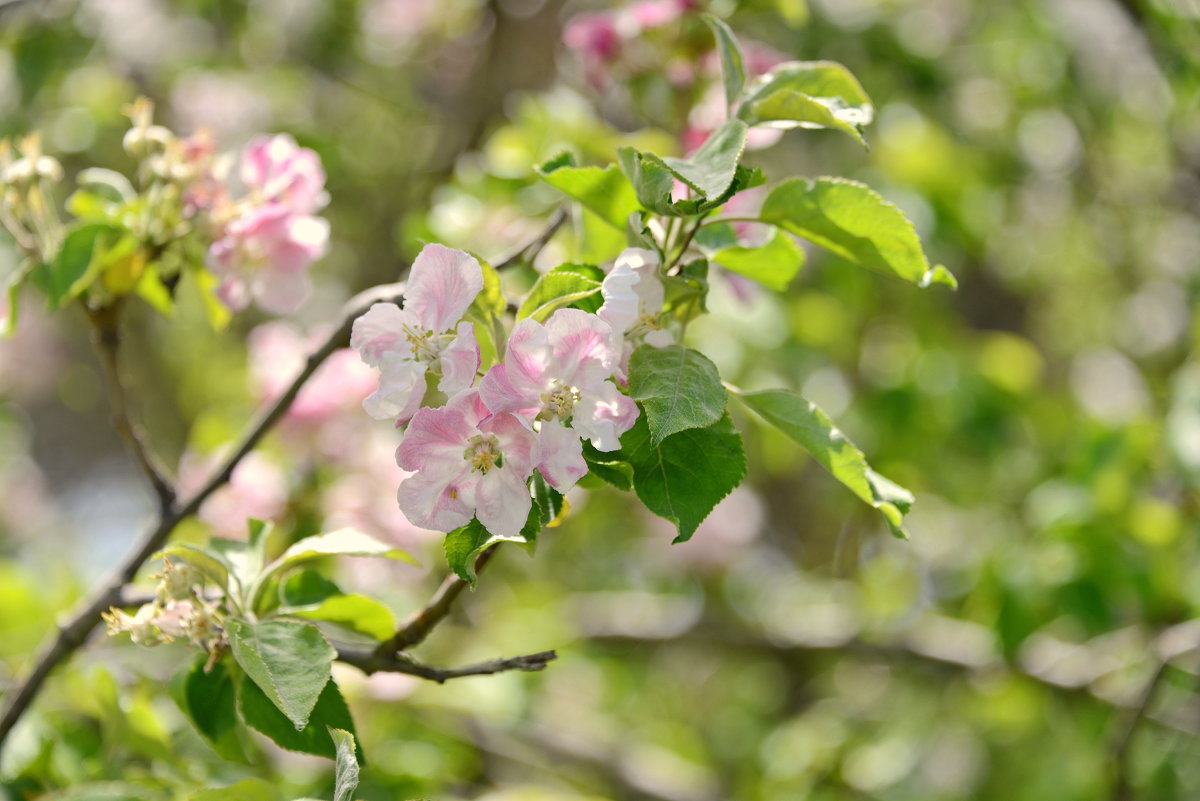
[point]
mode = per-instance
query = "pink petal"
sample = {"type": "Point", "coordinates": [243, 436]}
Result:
{"type": "Point", "coordinates": [401, 388]}
{"type": "Point", "coordinates": [517, 442]}
{"type": "Point", "coordinates": [603, 415]}
{"type": "Point", "coordinates": [280, 292]}
{"type": "Point", "coordinates": [379, 331]}
{"type": "Point", "coordinates": [583, 351]}
{"type": "Point", "coordinates": [439, 435]}
{"type": "Point", "coordinates": [441, 285]}
{"type": "Point", "coordinates": [502, 502]}
{"type": "Point", "coordinates": [560, 455]}
{"type": "Point", "coordinates": [437, 501]}
{"type": "Point", "coordinates": [460, 360]}
{"type": "Point", "coordinates": [501, 395]}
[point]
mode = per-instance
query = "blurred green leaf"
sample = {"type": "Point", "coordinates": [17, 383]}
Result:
{"type": "Point", "coordinates": [773, 264]}
{"type": "Point", "coordinates": [79, 260]}
{"type": "Point", "coordinates": [245, 790]}
{"type": "Point", "coordinates": [733, 63]}
{"type": "Point", "coordinates": [808, 94]}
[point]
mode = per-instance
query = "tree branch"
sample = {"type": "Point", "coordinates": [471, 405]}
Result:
{"type": "Point", "coordinates": [530, 251]}
{"type": "Point", "coordinates": [107, 339]}
{"type": "Point", "coordinates": [1123, 745]}
{"type": "Point", "coordinates": [372, 661]}
{"type": "Point", "coordinates": [72, 634]}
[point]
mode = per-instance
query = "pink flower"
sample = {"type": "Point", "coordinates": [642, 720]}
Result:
{"type": "Point", "coordinates": [593, 35]}
{"type": "Point", "coordinates": [277, 352]}
{"type": "Point", "coordinates": [264, 255]}
{"type": "Point", "coordinates": [556, 376]}
{"type": "Point", "coordinates": [633, 304]}
{"type": "Point", "coordinates": [277, 170]}
{"type": "Point", "coordinates": [257, 488]}
{"type": "Point", "coordinates": [466, 462]}
{"type": "Point", "coordinates": [425, 336]}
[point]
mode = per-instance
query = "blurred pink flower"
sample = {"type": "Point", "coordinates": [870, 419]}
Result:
{"type": "Point", "coordinates": [277, 352]}
{"type": "Point", "coordinates": [257, 489]}
{"type": "Point", "coordinates": [277, 170]}
{"type": "Point", "coordinates": [264, 255]}
{"type": "Point", "coordinates": [466, 462]}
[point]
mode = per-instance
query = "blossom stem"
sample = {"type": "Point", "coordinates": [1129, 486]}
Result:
{"type": "Point", "coordinates": [372, 662]}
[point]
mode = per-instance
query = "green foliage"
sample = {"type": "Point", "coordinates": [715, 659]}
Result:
{"type": "Point", "coordinates": [773, 264]}
{"type": "Point", "coordinates": [812, 429]}
{"type": "Point", "coordinates": [330, 711]}
{"type": "Point", "coordinates": [84, 254]}
{"type": "Point", "coordinates": [733, 63]}
{"type": "Point", "coordinates": [678, 388]}
{"type": "Point", "coordinates": [565, 285]}
{"type": "Point", "coordinates": [464, 544]}
{"type": "Point", "coordinates": [245, 790]}
{"type": "Point", "coordinates": [346, 765]}
{"type": "Point", "coordinates": [854, 222]}
{"type": "Point", "coordinates": [205, 693]}
{"type": "Point", "coordinates": [685, 475]}
{"type": "Point", "coordinates": [808, 94]}
{"type": "Point", "coordinates": [287, 659]}
{"type": "Point", "coordinates": [353, 611]}
{"type": "Point", "coordinates": [604, 191]}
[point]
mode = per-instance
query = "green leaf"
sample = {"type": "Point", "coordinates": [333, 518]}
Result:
{"type": "Point", "coordinates": [556, 289]}
{"type": "Point", "coordinates": [685, 295]}
{"type": "Point", "coordinates": [464, 544]}
{"type": "Point", "coordinates": [679, 388]}
{"type": "Point", "coordinates": [551, 508]}
{"type": "Point", "coordinates": [287, 659]}
{"type": "Point", "coordinates": [245, 790]}
{"type": "Point", "coordinates": [261, 714]}
{"type": "Point", "coordinates": [343, 542]}
{"type": "Point", "coordinates": [773, 264]}
{"type": "Point", "coordinates": [711, 168]}
{"type": "Point", "coordinates": [686, 475]}
{"type": "Point", "coordinates": [305, 588]}
{"type": "Point", "coordinates": [733, 64]}
{"type": "Point", "coordinates": [602, 190]}
{"type": "Point", "coordinates": [854, 222]}
{"type": "Point", "coordinates": [346, 770]}
{"type": "Point", "coordinates": [216, 312]}
{"type": "Point", "coordinates": [150, 288]}
{"type": "Point", "coordinates": [609, 467]}
{"type": "Point", "coordinates": [812, 429]}
{"type": "Point", "coordinates": [653, 183]}
{"type": "Point", "coordinates": [78, 261]}
{"type": "Point", "coordinates": [209, 701]}
{"type": "Point", "coordinates": [359, 613]}
{"type": "Point", "coordinates": [808, 94]}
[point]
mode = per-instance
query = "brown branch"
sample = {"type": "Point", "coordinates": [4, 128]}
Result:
{"type": "Point", "coordinates": [107, 339]}
{"type": "Point", "coordinates": [372, 661]}
{"type": "Point", "coordinates": [530, 251]}
{"type": "Point", "coordinates": [72, 634]}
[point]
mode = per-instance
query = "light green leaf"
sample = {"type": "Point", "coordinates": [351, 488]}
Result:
{"type": "Point", "coordinates": [653, 182]}
{"type": "Point", "coordinates": [208, 699]}
{"type": "Point", "coordinates": [733, 64]}
{"type": "Point", "coordinates": [78, 261]}
{"type": "Point", "coordinates": [686, 475]}
{"type": "Point", "coordinates": [854, 222]}
{"type": "Point", "coordinates": [773, 264]}
{"type": "Point", "coordinates": [679, 388]}
{"type": "Point", "coordinates": [287, 659]}
{"type": "Point", "coordinates": [603, 190]}
{"type": "Point", "coordinates": [261, 714]}
{"type": "Point", "coordinates": [609, 467]}
{"type": "Point", "coordinates": [812, 429]}
{"type": "Point", "coordinates": [346, 768]}
{"type": "Point", "coordinates": [808, 94]}
{"type": "Point", "coordinates": [556, 289]}
{"type": "Point", "coordinates": [464, 544]}
{"type": "Point", "coordinates": [306, 588]}
{"type": "Point", "coordinates": [245, 790]}
{"type": "Point", "coordinates": [343, 542]}
{"type": "Point", "coordinates": [217, 313]}
{"type": "Point", "coordinates": [355, 612]}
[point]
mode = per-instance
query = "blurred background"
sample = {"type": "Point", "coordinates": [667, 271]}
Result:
{"type": "Point", "coordinates": [1047, 415]}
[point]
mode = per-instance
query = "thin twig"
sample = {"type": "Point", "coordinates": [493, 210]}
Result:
{"type": "Point", "coordinates": [1123, 745]}
{"type": "Point", "coordinates": [414, 630]}
{"type": "Point", "coordinates": [371, 661]}
{"type": "Point", "coordinates": [72, 634]}
{"type": "Point", "coordinates": [530, 251]}
{"type": "Point", "coordinates": [107, 339]}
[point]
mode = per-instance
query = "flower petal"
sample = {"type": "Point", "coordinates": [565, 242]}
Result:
{"type": "Point", "coordinates": [502, 502]}
{"type": "Point", "coordinates": [401, 388]}
{"type": "Point", "coordinates": [441, 285]}
{"type": "Point", "coordinates": [603, 415]}
{"type": "Point", "coordinates": [583, 348]}
{"type": "Point", "coordinates": [560, 455]}
{"type": "Point", "coordinates": [435, 500]}
{"type": "Point", "coordinates": [437, 436]}
{"type": "Point", "coordinates": [381, 330]}
{"type": "Point", "coordinates": [460, 360]}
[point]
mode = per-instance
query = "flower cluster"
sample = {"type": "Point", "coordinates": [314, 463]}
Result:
{"type": "Point", "coordinates": [473, 439]}
{"type": "Point", "coordinates": [179, 612]}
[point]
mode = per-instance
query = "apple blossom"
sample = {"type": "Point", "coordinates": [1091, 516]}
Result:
{"type": "Point", "coordinates": [467, 461]}
{"type": "Point", "coordinates": [555, 376]}
{"type": "Point", "coordinates": [277, 170]}
{"type": "Point", "coordinates": [426, 336]}
{"type": "Point", "coordinates": [633, 304]}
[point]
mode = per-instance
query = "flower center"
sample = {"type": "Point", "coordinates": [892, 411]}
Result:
{"type": "Point", "coordinates": [483, 452]}
{"type": "Point", "coordinates": [559, 401]}
{"type": "Point", "coordinates": [427, 345]}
